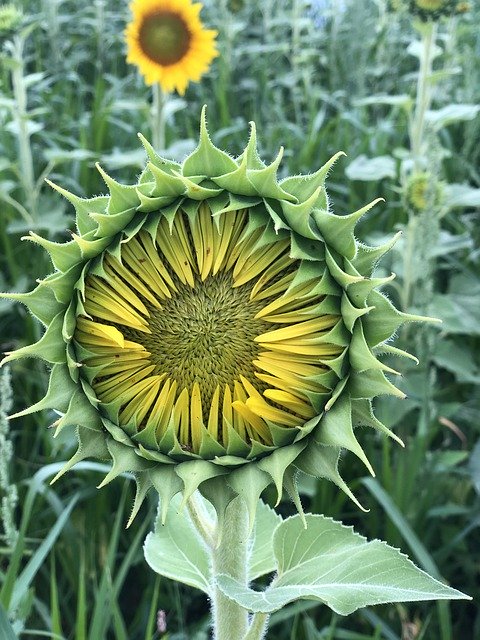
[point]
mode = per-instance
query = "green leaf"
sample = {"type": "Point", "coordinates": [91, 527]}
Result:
{"type": "Point", "coordinates": [474, 466]}
{"type": "Point", "coordinates": [459, 309]}
{"type": "Point", "coordinates": [461, 195]}
{"type": "Point", "coordinates": [403, 100]}
{"type": "Point", "coordinates": [416, 47]}
{"type": "Point", "coordinates": [331, 563]}
{"type": "Point", "coordinates": [452, 113]}
{"type": "Point", "coordinates": [458, 358]}
{"type": "Point", "coordinates": [24, 580]}
{"type": "Point", "coordinates": [175, 550]}
{"type": "Point", "coordinates": [366, 169]}
{"type": "Point", "coordinates": [6, 631]}
{"type": "Point", "coordinates": [262, 559]}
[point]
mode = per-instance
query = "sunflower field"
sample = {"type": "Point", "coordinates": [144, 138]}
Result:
{"type": "Point", "coordinates": [239, 263]}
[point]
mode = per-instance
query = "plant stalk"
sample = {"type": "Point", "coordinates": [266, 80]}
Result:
{"type": "Point", "coordinates": [158, 117]}
{"type": "Point", "coordinates": [26, 170]}
{"type": "Point", "coordinates": [230, 621]}
{"type": "Point", "coordinates": [258, 627]}
{"type": "Point", "coordinates": [423, 95]}
{"type": "Point", "coordinates": [423, 101]}
{"type": "Point", "coordinates": [201, 521]}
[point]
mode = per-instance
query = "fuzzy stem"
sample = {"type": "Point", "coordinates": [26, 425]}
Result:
{"type": "Point", "coordinates": [201, 521]}
{"type": "Point", "coordinates": [230, 621]}
{"type": "Point", "coordinates": [26, 170]}
{"type": "Point", "coordinates": [158, 117]}
{"type": "Point", "coordinates": [408, 262]}
{"type": "Point", "coordinates": [423, 95]}
{"type": "Point", "coordinates": [258, 627]}
{"type": "Point", "coordinates": [423, 102]}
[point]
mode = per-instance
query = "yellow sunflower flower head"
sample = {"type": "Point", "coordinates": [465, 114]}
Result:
{"type": "Point", "coordinates": [429, 10]}
{"type": "Point", "coordinates": [433, 10]}
{"type": "Point", "coordinates": [212, 327]}
{"type": "Point", "coordinates": [167, 42]}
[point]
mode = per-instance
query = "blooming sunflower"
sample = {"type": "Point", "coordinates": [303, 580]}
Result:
{"type": "Point", "coordinates": [431, 10]}
{"type": "Point", "coordinates": [168, 43]}
{"type": "Point", "coordinates": [211, 327]}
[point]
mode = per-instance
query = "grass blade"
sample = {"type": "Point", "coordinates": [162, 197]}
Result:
{"type": "Point", "coordinates": [6, 631]}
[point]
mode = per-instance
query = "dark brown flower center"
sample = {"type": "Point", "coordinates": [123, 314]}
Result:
{"type": "Point", "coordinates": [164, 37]}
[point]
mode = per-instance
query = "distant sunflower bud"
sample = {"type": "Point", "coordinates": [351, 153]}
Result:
{"type": "Point", "coordinates": [10, 18]}
{"type": "Point", "coordinates": [463, 7]}
{"type": "Point", "coordinates": [235, 6]}
{"type": "Point", "coordinates": [210, 324]}
{"type": "Point", "coordinates": [397, 5]}
{"type": "Point", "coordinates": [423, 191]}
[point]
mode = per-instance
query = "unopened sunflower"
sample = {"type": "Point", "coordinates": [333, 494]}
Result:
{"type": "Point", "coordinates": [168, 43]}
{"type": "Point", "coordinates": [423, 191]}
{"type": "Point", "coordinates": [10, 18]}
{"type": "Point", "coordinates": [211, 327]}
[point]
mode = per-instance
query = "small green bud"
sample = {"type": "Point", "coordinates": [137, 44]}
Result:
{"type": "Point", "coordinates": [10, 18]}
{"type": "Point", "coordinates": [423, 191]}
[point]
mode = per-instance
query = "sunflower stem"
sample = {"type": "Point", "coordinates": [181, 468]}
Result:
{"type": "Point", "coordinates": [230, 621]}
{"type": "Point", "coordinates": [20, 114]}
{"type": "Point", "coordinates": [158, 117]}
{"type": "Point", "coordinates": [423, 94]}
{"type": "Point", "coordinates": [258, 627]}
{"type": "Point", "coordinates": [201, 521]}
{"type": "Point", "coordinates": [423, 101]}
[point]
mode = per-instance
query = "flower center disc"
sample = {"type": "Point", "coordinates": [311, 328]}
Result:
{"type": "Point", "coordinates": [164, 37]}
{"type": "Point", "coordinates": [205, 334]}
{"type": "Point", "coordinates": [203, 330]}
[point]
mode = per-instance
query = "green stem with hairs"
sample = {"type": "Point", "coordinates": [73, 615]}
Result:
{"type": "Point", "coordinates": [158, 117]}
{"type": "Point", "coordinates": [423, 227]}
{"type": "Point", "coordinates": [258, 627]}
{"type": "Point", "coordinates": [423, 95]}
{"type": "Point", "coordinates": [228, 546]}
{"type": "Point", "coordinates": [423, 101]}
{"type": "Point", "coordinates": [201, 521]}
{"type": "Point", "coordinates": [20, 114]}
{"type": "Point", "coordinates": [230, 621]}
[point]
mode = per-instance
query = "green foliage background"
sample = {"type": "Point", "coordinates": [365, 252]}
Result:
{"type": "Point", "coordinates": [307, 77]}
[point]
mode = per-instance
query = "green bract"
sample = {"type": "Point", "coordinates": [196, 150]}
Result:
{"type": "Point", "coordinates": [179, 264]}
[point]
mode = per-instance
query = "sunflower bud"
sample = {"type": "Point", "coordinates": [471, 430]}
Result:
{"type": "Point", "coordinates": [10, 18]}
{"type": "Point", "coordinates": [212, 327]}
{"type": "Point", "coordinates": [423, 191]}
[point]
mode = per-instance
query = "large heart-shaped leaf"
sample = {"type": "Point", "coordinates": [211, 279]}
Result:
{"type": "Point", "coordinates": [331, 563]}
{"type": "Point", "coordinates": [262, 558]}
{"type": "Point", "coordinates": [175, 550]}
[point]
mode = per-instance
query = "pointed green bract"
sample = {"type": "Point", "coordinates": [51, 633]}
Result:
{"type": "Point", "coordinates": [335, 268]}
